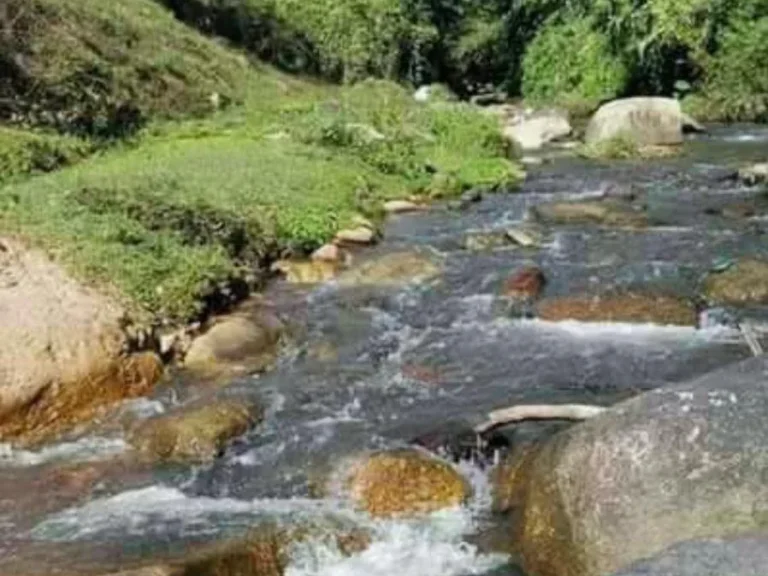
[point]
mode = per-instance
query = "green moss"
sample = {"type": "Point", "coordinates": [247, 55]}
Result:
{"type": "Point", "coordinates": [572, 64]}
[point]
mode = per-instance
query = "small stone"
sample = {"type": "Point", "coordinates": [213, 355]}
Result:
{"type": "Point", "coordinates": [402, 206]}
{"type": "Point", "coordinates": [363, 222]}
{"type": "Point", "coordinates": [480, 242]}
{"type": "Point", "coordinates": [327, 253]}
{"type": "Point", "coordinates": [526, 238]}
{"type": "Point", "coordinates": [526, 284]}
{"type": "Point", "coordinates": [307, 271]}
{"type": "Point", "coordinates": [360, 235]}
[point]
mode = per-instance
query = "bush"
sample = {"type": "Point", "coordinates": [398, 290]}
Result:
{"type": "Point", "coordinates": [23, 152]}
{"type": "Point", "coordinates": [572, 64]}
{"type": "Point", "coordinates": [736, 87]}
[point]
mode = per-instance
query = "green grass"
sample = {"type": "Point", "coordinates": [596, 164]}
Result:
{"type": "Point", "coordinates": [106, 67]}
{"type": "Point", "coordinates": [189, 205]}
{"type": "Point", "coordinates": [24, 152]}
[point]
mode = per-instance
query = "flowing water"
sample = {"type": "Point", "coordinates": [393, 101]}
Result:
{"type": "Point", "coordinates": [409, 361]}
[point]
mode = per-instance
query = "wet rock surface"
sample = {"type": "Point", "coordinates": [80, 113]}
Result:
{"type": "Point", "coordinates": [679, 463]}
{"type": "Point", "coordinates": [403, 483]}
{"type": "Point", "coordinates": [629, 307]}
{"type": "Point", "coordinates": [744, 556]}
{"type": "Point", "coordinates": [744, 283]}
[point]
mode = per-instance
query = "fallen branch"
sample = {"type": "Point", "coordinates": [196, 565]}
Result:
{"type": "Point", "coordinates": [538, 412]}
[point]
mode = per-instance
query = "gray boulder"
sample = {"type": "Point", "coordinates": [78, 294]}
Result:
{"type": "Point", "coordinates": [685, 462]}
{"type": "Point", "coordinates": [649, 121]}
{"type": "Point", "coordinates": [744, 556]}
{"type": "Point", "coordinates": [533, 130]}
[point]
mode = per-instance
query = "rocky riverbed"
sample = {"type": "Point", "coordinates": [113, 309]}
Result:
{"type": "Point", "coordinates": [595, 283]}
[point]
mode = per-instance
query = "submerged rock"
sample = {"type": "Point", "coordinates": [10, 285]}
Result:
{"type": "Point", "coordinates": [604, 212]}
{"type": "Point", "coordinates": [244, 342]}
{"type": "Point", "coordinates": [744, 283]}
{"type": "Point", "coordinates": [484, 241]}
{"type": "Point", "coordinates": [402, 483]}
{"type": "Point", "coordinates": [755, 174]}
{"type": "Point", "coordinates": [526, 237]}
{"type": "Point", "coordinates": [648, 121]}
{"type": "Point", "coordinates": [391, 269]}
{"type": "Point", "coordinates": [196, 434]}
{"type": "Point", "coordinates": [681, 463]}
{"type": "Point", "coordinates": [525, 284]}
{"type": "Point", "coordinates": [742, 556]}
{"type": "Point", "coordinates": [630, 307]}
{"type": "Point", "coordinates": [316, 271]}
{"type": "Point", "coordinates": [62, 356]}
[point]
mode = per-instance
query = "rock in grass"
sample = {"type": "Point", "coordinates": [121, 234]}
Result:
{"type": "Point", "coordinates": [402, 483]}
{"type": "Point", "coordinates": [402, 207]}
{"type": "Point", "coordinates": [534, 130]}
{"type": "Point", "coordinates": [244, 342]}
{"type": "Point", "coordinates": [685, 462]}
{"type": "Point", "coordinates": [195, 435]}
{"type": "Point", "coordinates": [629, 307]}
{"type": "Point", "coordinates": [360, 235]}
{"type": "Point", "coordinates": [744, 283]}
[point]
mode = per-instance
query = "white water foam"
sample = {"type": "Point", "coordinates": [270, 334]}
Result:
{"type": "Point", "coordinates": [83, 450]}
{"type": "Point", "coordinates": [634, 332]}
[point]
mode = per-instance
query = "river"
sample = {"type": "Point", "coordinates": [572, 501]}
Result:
{"type": "Point", "coordinates": [408, 361]}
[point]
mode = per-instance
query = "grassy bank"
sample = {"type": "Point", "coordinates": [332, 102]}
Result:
{"type": "Point", "coordinates": [188, 205]}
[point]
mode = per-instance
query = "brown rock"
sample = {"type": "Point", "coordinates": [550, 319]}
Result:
{"type": "Point", "coordinates": [391, 269]}
{"type": "Point", "coordinates": [403, 483]}
{"type": "Point", "coordinates": [314, 271]}
{"type": "Point", "coordinates": [243, 342]}
{"type": "Point", "coordinates": [62, 354]}
{"type": "Point", "coordinates": [525, 284]}
{"type": "Point", "coordinates": [744, 283]}
{"type": "Point", "coordinates": [328, 253]}
{"type": "Point", "coordinates": [601, 212]}
{"type": "Point", "coordinates": [197, 434]}
{"type": "Point", "coordinates": [627, 307]}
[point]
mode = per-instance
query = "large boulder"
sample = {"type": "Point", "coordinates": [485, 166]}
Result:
{"type": "Point", "coordinates": [629, 307]}
{"type": "Point", "coordinates": [197, 434]}
{"type": "Point", "coordinates": [744, 283]}
{"type": "Point", "coordinates": [533, 130]}
{"type": "Point", "coordinates": [649, 121]}
{"type": "Point", "coordinates": [603, 212]}
{"type": "Point", "coordinates": [400, 483]}
{"type": "Point", "coordinates": [685, 462]}
{"type": "Point", "coordinates": [742, 556]}
{"type": "Point", "coordinates": [63, 349]}
{"type": "Point", "coordinates": [391, 270]}
{"type": "Point", "coordinates": [247, 341]}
